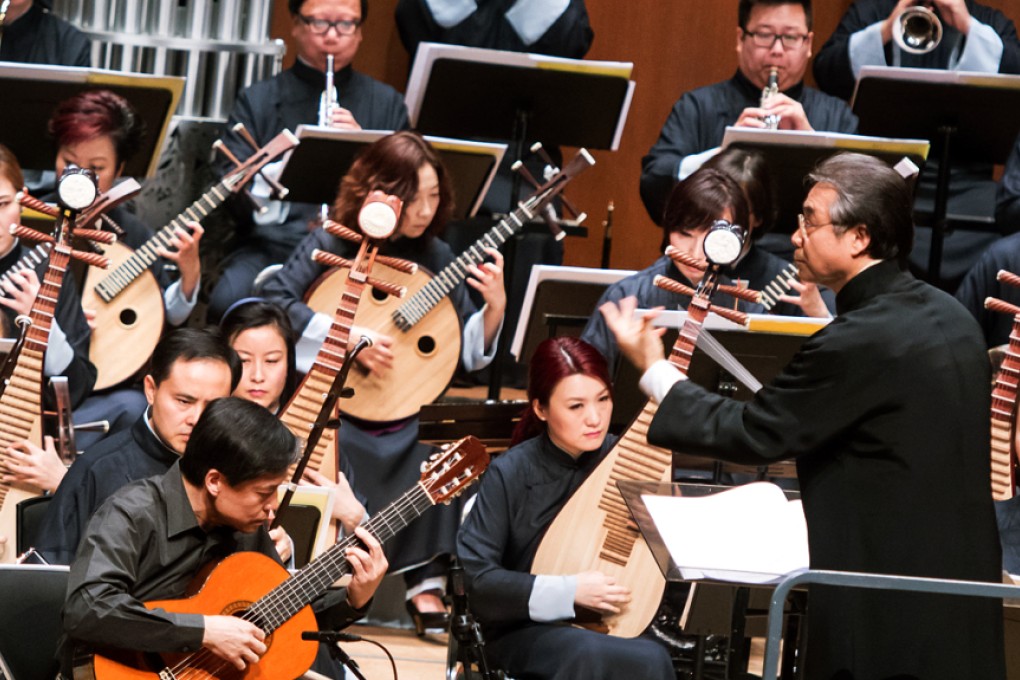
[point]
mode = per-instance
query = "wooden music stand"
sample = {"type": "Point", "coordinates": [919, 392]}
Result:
{"type": "Point", "coordinates": [31, 93]}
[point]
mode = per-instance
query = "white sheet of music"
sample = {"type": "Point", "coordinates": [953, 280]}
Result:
{"type": "Point", "coordinates": [748, 534]}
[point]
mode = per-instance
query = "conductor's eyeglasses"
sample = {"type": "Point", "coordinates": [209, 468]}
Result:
{"type": "Point", "coordinates": [322, 26]}
{"type": "Point", "coordinates": [768, 39]}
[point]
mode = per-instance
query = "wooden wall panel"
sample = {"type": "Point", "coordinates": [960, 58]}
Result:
{"type": "Point", "coordinates": [675, 45]}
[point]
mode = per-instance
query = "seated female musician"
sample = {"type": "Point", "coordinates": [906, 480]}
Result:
{"type": "Point", "coordinates": [695, 203]}
{"type": "Point", "coordinates": [561, 439]}
{"type": "Point", "coordinates": [101, 131]}
{"type": "Point", "coordinates": [67, 353]}
{"type": "Point", "coordinates": [261, 334]}
{"type": "Point", "coordinates": [386, 457]}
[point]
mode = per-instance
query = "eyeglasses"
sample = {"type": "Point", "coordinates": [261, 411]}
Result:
{"type": "Point", "coordinates": [322, 26]}
{"type": "Point", "coordinates": [807, 226]}
{"type": "Point", "coordinates": [768, 39]}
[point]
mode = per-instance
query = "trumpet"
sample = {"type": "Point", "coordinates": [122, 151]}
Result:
{"type": "Point", "coordinates": [918, 30]}
{"type": "Point", "coordinates": [328, 103]}
{"type": "Point", "coordinates": [771, 90]}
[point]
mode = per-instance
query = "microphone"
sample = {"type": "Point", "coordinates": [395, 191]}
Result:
{"type": "Point", "coordinates": [329, 636]}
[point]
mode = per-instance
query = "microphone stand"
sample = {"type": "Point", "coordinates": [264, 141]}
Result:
{"type": "Point", "coordinates": [465, 629]}
{"type": "Point", "coordinates": [332, 640]}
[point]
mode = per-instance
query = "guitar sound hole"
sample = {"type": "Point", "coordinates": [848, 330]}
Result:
{"type": "Point", "coordinates": [379, 295]}
{"type": "Point", "coordinates": [128, 317]}
{"type": "Point", "coordinates": [426, 344]}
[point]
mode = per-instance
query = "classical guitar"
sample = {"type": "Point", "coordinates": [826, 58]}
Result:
{"type": "Point", "coordinates": [426, 328]}
{"type": "Point", "coordinates": [258, 589]}
{"type": "Point", "coordinates": [21, 373]}
{"type": "Point", "coordinates": [304, 413]}
{"type": "Point", "coordinates": [593, 530]}
{"type": "Point", "coordinates": [1004, 389]}
{"type": "Point", "coordinates": [128, 301]}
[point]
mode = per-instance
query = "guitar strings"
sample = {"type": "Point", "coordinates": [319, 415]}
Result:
{"type": "Point", "coordinates": [318, 568]}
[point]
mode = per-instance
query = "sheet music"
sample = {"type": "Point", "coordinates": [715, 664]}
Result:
{"type": "Point", "coordinates": [748, 534]}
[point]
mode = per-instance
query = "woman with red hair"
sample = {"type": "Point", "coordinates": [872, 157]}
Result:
{"type": "Point", "coordinates": [559, 442]}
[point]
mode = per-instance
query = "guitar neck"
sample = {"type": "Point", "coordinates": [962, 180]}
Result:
{"type": "Point", "coordinates": [289, 597]}
{"type": "Point", "coordinates": [415, 309]}
{"type": "Point", "coordinates": [120, 278]}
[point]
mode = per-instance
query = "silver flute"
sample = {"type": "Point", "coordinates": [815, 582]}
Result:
{"type": "Point", "coordinates": [771, 90]}
{"type": "Point", "coordinates": [328, 103]}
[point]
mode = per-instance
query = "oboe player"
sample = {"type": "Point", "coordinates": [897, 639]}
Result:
{"type": "Point", "coordinates": [770, 34]}
{"type": "Point", "coordinates": [293, 97]}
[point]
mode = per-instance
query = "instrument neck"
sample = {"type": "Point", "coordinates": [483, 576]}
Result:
{"type": "Point", "coordinates": [1004, 390]}
{"type": "Point", "coordinates": [289, 597]}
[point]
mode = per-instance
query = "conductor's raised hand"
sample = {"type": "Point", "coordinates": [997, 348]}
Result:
{"type": "Point", "coordinates": [639, 341]}
{"type": "Point", "coordinates": [369, 565]}
{"type": "Point", "coordinates": [235, 640]}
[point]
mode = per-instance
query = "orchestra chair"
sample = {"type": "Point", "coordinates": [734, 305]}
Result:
{"type": "Point", "coordinates": [30, 621]}
{"type": "Point", "coordinates": [28, 516]}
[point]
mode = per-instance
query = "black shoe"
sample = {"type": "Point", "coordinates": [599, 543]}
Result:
{"type": "Point", "coordinates": [428, 622]}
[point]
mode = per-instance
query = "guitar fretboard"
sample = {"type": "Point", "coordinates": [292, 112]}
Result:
{"type": "Point", "coordinates": [284, 601]}
{"type": "Point", "coordinates": [28, 261]}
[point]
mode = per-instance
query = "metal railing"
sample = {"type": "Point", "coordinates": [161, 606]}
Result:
{"type": "Point", "coordinates": [219, 46]}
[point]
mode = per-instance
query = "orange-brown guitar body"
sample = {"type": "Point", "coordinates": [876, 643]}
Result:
{"type": "Point", "coordinates": [232, 585]}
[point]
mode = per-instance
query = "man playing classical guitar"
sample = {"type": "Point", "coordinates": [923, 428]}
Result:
{"type": "Point", "coordinates": [150, 539]}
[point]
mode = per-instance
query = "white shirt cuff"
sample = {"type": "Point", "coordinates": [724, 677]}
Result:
{"type": "Point", "coordinates": [659, 379]}
{"type": "Point", "coordinates": [311, 340]}
{"type": "Point", "coordinates": [473, 354]}
{"type": "Point", "coordinates": [983, 51]}
{"type": "Point", "coordinates": [177, 306]}
{"type": "Point", "coordinates": [866, 48]}
{"type": "Point", "coordinates": [552, 598]}
{"type": "Point", "coordinates": [59, 352]}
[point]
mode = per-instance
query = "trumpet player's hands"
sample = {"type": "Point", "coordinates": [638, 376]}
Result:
{"type": "Point", "coordinates": [790, 111]}
{"type": "Point", "coordinates": [953, 13]}
{"type": "Point", "coordinates": [344, 120]}
{"type": "Point", "coordinates": [20, 290]}
{"type": "Point", "coordinates": [378, 358]}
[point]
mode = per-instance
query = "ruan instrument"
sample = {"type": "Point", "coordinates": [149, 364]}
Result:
{"type": "Point", "coordinates": [314, 400]}
{"type": "Point", "coordinates": [426, 328]}
{"type": "Point", "coordinates": [21, 375]}
{"type": "Point", "coordinates": [256, 588]}
{"type": "Point", "coordinates": [594, 529]}
{"type": "Point", "coordinates": [1004, 389]}
{"type": "Point", "coordinates": [128, 301]}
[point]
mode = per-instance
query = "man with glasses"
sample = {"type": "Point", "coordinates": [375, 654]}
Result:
{"type": "Point", "coordinates": [771, 34]}
{"type": "Point", "coordinates": [886, 412]}
{"type": "Point", "coordinates": [293, 97]}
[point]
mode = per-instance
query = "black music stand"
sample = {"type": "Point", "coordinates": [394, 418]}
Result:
{"type": "Point", "coordinates": [314, 169]}
{"type": "Point", "coordinates": [31, 93]}
{"type": "Point", "coordinates": [764, 348]}
{"type": "Point", "coordinates": [969, 117]}
{"type": "Point", "coordinates": [558, 301]}
{"type": "Point", "coordinates": [523, 98]}
{"type": "Point", "coordinates": [792, 154]}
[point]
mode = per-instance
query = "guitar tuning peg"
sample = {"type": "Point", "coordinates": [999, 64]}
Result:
{"type": "Point", "coordinates": [218, 145]}
{"type": "Point", "coordinates": [257, 205]}
{"type": "Point", "coordinates": [104, 237]}
{"type": "Point", "coordinates": [241, 130]}
{"type": "Point", "coordinates": [91, 259]}
{"type": "Point", "coordinates": [30, 234]}
{"type": "Point", "coordinates": [279, 192]}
